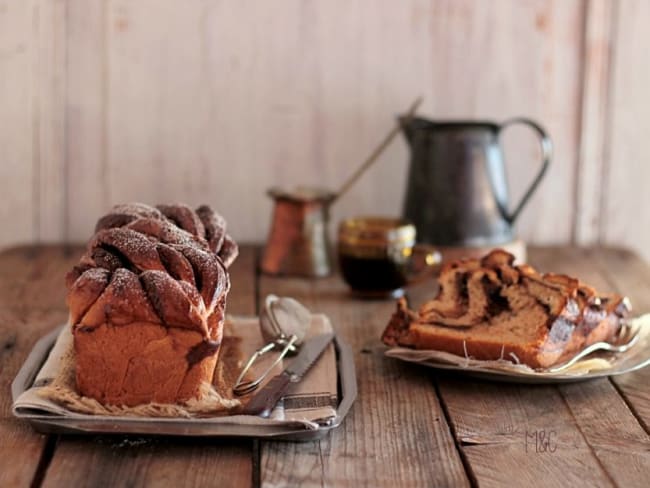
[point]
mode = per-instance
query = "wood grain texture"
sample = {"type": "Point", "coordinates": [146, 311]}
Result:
{"type": "Point", "coordinates": [395, 434]}
{"type": "Point", "coordinates": [625, 184]}
{"type": "Point", "coordinates": [86, 116]}
{"type": "Point", "coordinates": [600, 17]}
{"type": "Point", "coordinates": [20, 451]}
{"type": "Point", "coordinates": [493, 423]}
{"type": "Point", "coordinates": [18, 54]}
{"type": "Point", "coordinates": [49, 134]}
{"type": "Point", "coordinates": [31, 304]}
{"type": "Point", "coordinates": [26, 314]}
{"type": "Point", "coordinates": [611, 270]}
{"type": "Point", "coordinates": [502, 59]}
{"type": "Point", "coordinates": [163, 103]}
{"type": "Point", "coordinates": [33, 277]}
{"type": "Point", "coordinates": [199, 109]}
{"type": "Point", "coordinates": [630, 276]}
{"type": "Point", "coordinates": [615, 433]}
{"type": "Point", "coordinates": [120, 460]}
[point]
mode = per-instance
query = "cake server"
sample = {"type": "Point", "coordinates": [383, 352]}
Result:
{"type": "Point", "coordinates": [265, 400]}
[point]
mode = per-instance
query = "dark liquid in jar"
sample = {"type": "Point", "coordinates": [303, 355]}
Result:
{"type": "Point", "coordinates": [373, 274]}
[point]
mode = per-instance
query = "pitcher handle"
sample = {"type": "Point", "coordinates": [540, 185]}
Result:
{"type": "Point", "coordinates": [547, 153]}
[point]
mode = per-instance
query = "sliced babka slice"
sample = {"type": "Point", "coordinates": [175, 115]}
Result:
{"type": "Point", "coordinates": [490, 309]}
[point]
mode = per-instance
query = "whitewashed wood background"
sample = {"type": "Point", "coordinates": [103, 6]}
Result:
{"type": "Point", "coordinates": [106, 101]}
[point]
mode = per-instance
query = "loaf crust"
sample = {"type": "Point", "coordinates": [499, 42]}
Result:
{"type": "Point", "coordinates": [489, 309]}
{"type": "Point", "coordinates": [147, 304]}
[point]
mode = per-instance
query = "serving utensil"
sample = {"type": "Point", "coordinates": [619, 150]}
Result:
{"type": "Point", "coordinates": [265, 400]}
{"type": "Point", "coordinates": [284, 323]}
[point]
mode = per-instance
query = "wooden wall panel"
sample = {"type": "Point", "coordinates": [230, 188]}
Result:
{"type": "Point", "coordinates": [600, 19]}
{"type": "Point", "coordinates": [49, 135]}
{"type": "Point", "coordinates": [501, 59]}
{"type": "Point", "coordinates": [17, 59]}
{"type": "Point", "coordinates": [217, 102]}
{"type": "Point", "coordinates": [32, 113]}
{"type": "Point", "coordinates": [626, 217]}
{"type": "Point", "coordinates": [86, 114]}
{"type": "Point", "coordinates": [105, 101]}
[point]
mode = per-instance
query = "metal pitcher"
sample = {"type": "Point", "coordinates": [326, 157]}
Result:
{"type": "Point", "coordinates": [457, 192]}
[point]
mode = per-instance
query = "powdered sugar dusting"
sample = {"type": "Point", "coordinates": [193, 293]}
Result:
{"type": "Point", "coordinates": [133, 244]}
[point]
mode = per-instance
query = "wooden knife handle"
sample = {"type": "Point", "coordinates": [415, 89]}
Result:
{"type": "Point", "coordinates": [265, 400]}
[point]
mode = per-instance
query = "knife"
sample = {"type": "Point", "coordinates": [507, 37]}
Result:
{"type": "Point", "coordinates": [265, 399]}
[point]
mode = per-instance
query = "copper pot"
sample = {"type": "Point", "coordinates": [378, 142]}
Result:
{"type": "Point", "coordinates": [298, 242]}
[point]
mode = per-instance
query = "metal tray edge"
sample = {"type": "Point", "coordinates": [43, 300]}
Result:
{"type": "Point", "coordinates": [58, 425]}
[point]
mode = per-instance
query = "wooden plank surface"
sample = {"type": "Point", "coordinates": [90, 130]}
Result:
{"type": "Point", "coordinates": [628, 275]}
{"type": "Point", "coordinates": [135, 461]}
{"type": "Point", "coordinates": [480, 49]}
{"type": "Point", "coordinates": [26, 314]}
{"type": "Point", "coordinates": [409, 426]}
{"type": "Point", "coordinates": [594, 161]}
{"type": "Point", "coordinates": [396, 433]}
{"type": "Point", "coordinates": [49, 132]}
{"type": "Point", "coordinates": [614, 433]}
{"type": "Point", "coordinates": [624, 219]}
{"type": "Point", "coordinates": [160, 102]}
{"type": "Point", "coordinates": [495, 424]}
{"type": "Point", "coordinates": [108, 100]}
{"type": "Point", "coordinates": [18, 55]}
{"type": "Point", "coordinates": [594, 437]}
{"type": "Point", "coordinates": [186, 96]}
{"type": "Point", "coordinates": [86, 113]}
{"type": "Point", "coordinates": [614, 270]}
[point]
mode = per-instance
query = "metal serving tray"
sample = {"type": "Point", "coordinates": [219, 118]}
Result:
{"type": "Point", "coordinates": [203, 427]}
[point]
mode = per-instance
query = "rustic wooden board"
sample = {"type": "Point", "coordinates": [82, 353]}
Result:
{"type": "Point", "coordinates": [20, 328]}
{"type": "Point", "coordinates": [479, 48]}
{"type": "Point", "coordinates": [33, 277]}
{"type": "Point", "coordinates": [612, 270]}
{"type": "Point", "coordinates": [497, 423]}
{"type": "Point", "coordinates": [17, 58]}
{"type": "Point", "coordinates": [21, 447]}
{"type": "Point", "coordinates": [493, 421]}
{"type": "Point", "coordinates": [21, 325]}
{"type": "Point", "coordinates": [109, 100]}
{"type": "Point", "coordinates": [20, 451]}
{"type": "Point", "coordinates": [628, 275]}
{"type": "Point", "coordinates": [48, 130]}
{"type": "Point", "coordinates": [87, 110]}
{"type": "Point", "coordinates": [624, 219]}
{"type": "Point", "coordinates": [586, 446]}
{"type": "Point", "coordinates": [594, 162]}
{"type": "Point", "coordinates": [114, 461]}
{"type": "Point", "coordinates": [396, 433]}
{"type": "Point", "coordinates": [611, 429]}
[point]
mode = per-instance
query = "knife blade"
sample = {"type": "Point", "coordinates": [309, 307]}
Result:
{"type": "Point", "coordinates": [263, 402]}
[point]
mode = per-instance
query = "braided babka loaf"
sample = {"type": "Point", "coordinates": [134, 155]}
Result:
{"type": "Point", "coordinates": [147, 303]}
{"type": "Point", "coordinates": [489, 309]}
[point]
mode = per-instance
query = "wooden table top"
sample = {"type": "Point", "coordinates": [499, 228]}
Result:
{"type": "Point", "coordinates": [410, 426]}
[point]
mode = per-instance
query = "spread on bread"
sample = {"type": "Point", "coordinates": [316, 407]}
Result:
{"type": "Point", "coordinates": [489, 309]}
{"type": "Point", "coordinates": [147, 303]}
